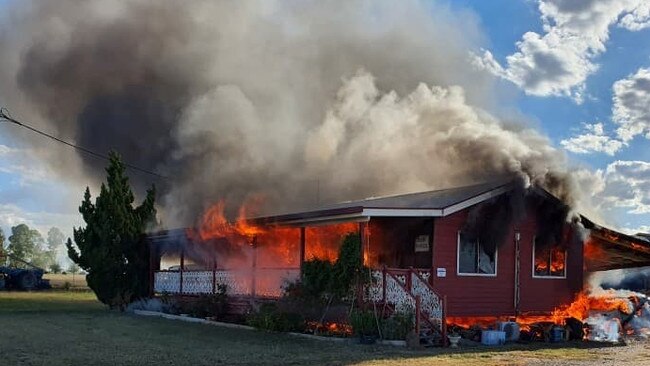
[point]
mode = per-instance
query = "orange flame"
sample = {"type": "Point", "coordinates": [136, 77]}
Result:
{"type": "Point", "coordinates": [333, 329]}
{"type": "Point", "coordinates": [277, 246]}
{"type": "Point", "coordinates": [580, 309]}
{"type": "Point", "coordinates": [592, 251]}
{"type": "Point", "coordinates": [553, 258]}
{"type": "Point", "coordinates": [323, 242]}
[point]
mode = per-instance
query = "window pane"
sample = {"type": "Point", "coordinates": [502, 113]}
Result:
{"type": "Point", "coordinates": [467, 256]}
{"type": "Point", "coordinates": [558, 261]}
{"type": "Point", "coordinates": [486, 263]}
{"type": "Point", "coordinates": [542, 257]}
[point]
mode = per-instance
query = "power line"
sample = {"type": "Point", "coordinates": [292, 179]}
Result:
{"type": "Point", "coordinates": [4, 114]}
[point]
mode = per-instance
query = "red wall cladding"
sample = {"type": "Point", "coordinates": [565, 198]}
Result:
{"type": "Point", "coordinates": [470, 295]}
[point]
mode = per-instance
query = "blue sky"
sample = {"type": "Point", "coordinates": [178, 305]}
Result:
{"type": "Point", "coordinates": [622, 51]}
{"type": "Point", "coordinates": [584, 84]}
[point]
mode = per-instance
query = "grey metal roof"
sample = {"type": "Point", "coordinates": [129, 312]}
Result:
{"type": "Point", "coordinates": [433, 202]}
{"type": "Point", "coordinates": [437, 199]}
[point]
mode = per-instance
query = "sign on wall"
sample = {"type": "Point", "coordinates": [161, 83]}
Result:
{"type": "Point", "coordinates": [422, 243]}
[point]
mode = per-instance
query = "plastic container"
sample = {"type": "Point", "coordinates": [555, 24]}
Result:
{"type": "Point", "coordinates": [556, 335]}
{"type": "Point", "coordinates": [512, 330]}
{"type": "Point", "coordinates": [493, 337]}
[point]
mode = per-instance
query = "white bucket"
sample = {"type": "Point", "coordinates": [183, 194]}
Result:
{"type": "Point", "coordinates": [493, 337]}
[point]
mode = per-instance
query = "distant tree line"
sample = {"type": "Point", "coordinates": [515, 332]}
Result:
{"type": "Point", "coordinates": [29, 245]}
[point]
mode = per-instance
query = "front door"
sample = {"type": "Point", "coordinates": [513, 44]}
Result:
{"type": "Point", "coordinates": [402, 242]}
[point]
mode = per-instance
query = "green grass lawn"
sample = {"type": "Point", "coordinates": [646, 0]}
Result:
{"type": "Point", "coordinates": [72, 328]}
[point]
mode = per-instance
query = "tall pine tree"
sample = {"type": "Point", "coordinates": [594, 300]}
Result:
{"type": "Point", "coordinates": [111, 248]}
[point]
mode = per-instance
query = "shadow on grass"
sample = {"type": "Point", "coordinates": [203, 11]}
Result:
{"type": "Point", "coordinates": [39, 325]}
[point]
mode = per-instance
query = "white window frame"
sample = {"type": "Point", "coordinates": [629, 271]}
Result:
{"type": "Point", "coordinates": [549, 277]}
{"type": "Point", "coordinates": [463, 274]}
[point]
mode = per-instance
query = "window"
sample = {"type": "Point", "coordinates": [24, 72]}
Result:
{"type": "Point", "coordinates": [473, 258]}
{"type": "Point", "coordinates": [549, 261]}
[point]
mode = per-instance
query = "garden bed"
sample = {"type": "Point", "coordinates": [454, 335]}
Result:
{"type": "Point", "coordinates": [396, 343]}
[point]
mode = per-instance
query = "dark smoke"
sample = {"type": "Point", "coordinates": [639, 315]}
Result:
{"type": "Point", "coordinates": [551, 216]}
{"type": "Point", "coordinates": [228, 99]}
{"type": "Point", "coordinates": [490, 221]}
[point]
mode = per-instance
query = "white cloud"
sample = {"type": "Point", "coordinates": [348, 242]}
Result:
{"type": "Point", "coordinates": [630, 101]}
{"type": "Point", "coordinates": [24, 164]}
{"type": "Point", "coordinates": [638, 19]}
{"type": "Point", "coordinates": [631, 230]}
{"type": "Point", "coordinates": [6, 150]}
{"type": "Point", "coordinates": [31, 183]}
{"type": "Point", "coordinates": [623, 184]}
{"type": "Point", "coordinates": [559, 61]}
{"type": "Point", "coordinates": [630, 105]}
{"type": "Point", "coordinates": [12, 215]}
{"type": "Point", "coordinates": [592, 139]}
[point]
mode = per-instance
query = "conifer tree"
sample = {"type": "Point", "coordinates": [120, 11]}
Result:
{"type": "Point", "coordinates": [111, 248]}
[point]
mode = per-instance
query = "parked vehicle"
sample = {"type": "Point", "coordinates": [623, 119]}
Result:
{"type": "Point", "coordinates": [24, 276]}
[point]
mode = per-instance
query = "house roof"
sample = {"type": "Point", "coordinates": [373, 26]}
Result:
{"type": "Point", "coordinates": [437, 203]}
{"type": "Point", "coordinates": [614, 250]}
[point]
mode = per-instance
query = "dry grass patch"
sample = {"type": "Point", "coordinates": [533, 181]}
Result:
{"type": "Point", "coordinates": [58, 280]}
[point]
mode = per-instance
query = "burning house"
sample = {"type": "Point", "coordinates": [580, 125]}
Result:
{"type": "Point", "coordinates": [457, 256]}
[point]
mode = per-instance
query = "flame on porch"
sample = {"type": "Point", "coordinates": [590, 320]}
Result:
{"type": "Point", "coordinates": [278, 245]}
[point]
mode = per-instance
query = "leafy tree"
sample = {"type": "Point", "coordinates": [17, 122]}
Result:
{"type": "Point", "coordinates": [73, 267]}
{"type": "Point", "coordinates": [56, 268]}
{"type": "Point", "coordinates": [55, 239]}
{"type": "Point", "coordinates": [111, 248]}
{"type": "Point", "coordinates": [26, 244]}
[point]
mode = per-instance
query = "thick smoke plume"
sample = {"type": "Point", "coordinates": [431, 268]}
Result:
{"type": "Point", "coordinates": [302, 102]}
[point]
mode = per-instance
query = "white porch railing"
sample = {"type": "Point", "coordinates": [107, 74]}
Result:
{"type": "Point", "coordinates": [264, 282]}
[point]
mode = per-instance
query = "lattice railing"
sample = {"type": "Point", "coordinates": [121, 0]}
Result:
{"type": "Point", "coordinates": [408, 290]}
{"type": "Point", "coordinates": [197, 282]}
{"type": "Point", "coordinates": [167, 282]}
{"type": "Point", "coordinates": [430, 302]}
{"type": "Point", "coordinates": [265, 282]}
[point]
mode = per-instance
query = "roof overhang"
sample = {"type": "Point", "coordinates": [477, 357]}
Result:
{"type": "Point", "coordinates": [362, 213]}
{"type": "Point", "coordinates": [614, 250]}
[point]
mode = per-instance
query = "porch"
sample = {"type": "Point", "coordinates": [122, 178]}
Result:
{"type": "Point", "coordinates": [261, 266]}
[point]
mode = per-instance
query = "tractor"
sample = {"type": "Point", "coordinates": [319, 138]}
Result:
{"type": "Point", "coordinates": [25, 277]}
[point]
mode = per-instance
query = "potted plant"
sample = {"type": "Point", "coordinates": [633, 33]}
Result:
{"type": "Point", "coordinates": [454, 338]}
{"type": "Point", "coordinates": [364, 324]}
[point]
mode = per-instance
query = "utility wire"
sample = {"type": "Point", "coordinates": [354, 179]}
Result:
{"type": "Point", "coordinates": [4, 114]}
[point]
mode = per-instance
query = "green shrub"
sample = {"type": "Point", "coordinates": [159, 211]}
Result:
{"type": "Point", "coordinates": [348, 268]}
{"type": "Point", "coordinates": [316, 281]}
{"type": "Point", "coordinates": [270, 317]}
{"type": "Point", "coordinates": [397, 326]}
{"type": "Point", "coordinates": [364, 323]}
{"type": "Point", "coordinates": [322, 279]}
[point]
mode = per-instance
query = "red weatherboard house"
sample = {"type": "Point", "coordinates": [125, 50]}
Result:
{"type": "Point", "coordinates": [493, 249]}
